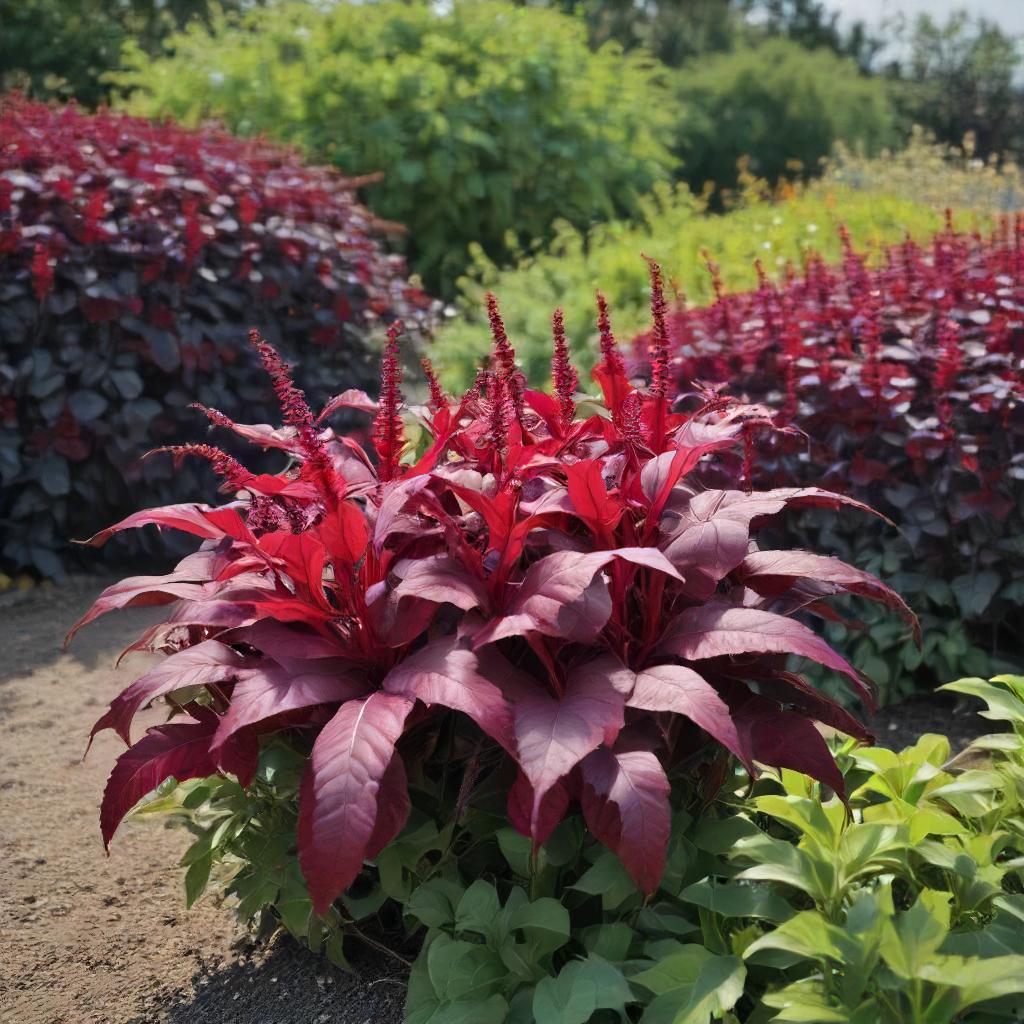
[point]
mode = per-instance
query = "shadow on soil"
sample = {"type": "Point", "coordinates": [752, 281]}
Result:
{"type": "Point", "coordinates": [286, 984]}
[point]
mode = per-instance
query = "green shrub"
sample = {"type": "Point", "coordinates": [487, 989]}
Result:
{"type": "Point", "coordinates": [488, 121]}
{"type": "Point", "coordinates": [778, 105]}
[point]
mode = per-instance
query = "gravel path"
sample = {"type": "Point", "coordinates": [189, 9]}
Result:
{"type": "Point", "coordinates": [91, 939]}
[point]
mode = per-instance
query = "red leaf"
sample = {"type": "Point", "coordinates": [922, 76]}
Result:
{"type": "Point", "coordinates": [681, 690]}
{"type": "Point", "coordinates": [181, 749]}
{"type": "Point", "coordinates": [445, 673]}
{"type": "Point", "coordinates": [718, 630]}
{"type": "Point", "coordinates": [199, 520]}
{"type": "Point", "coordinates": [553, 735]}
{"type": "Point", "coordinates": [625, 801]}
{"type": "Point", "coordinates": [552, 809]}
{"type": "Point", "coordinates": [338, 805]}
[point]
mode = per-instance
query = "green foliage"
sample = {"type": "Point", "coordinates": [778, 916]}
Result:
{"type": "Point", "coordinates": [63, 48]}
{"type": "Point", "coordinates": [673, 227]}
{"type": "Point", "coordinates": [777, 105]}
{"type": "Point", "coordinates": [777, 903]}
{"type": "Point", "coordinates": [962, 77]}
{"type": "Point", "coordinates": [488, 121]}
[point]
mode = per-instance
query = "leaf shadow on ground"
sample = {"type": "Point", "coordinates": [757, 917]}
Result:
{"type": "Point", "coordinates": [283, 983]}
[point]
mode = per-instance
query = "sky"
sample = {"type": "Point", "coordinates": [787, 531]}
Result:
{"type": "Point", "coordinates": [1008, 14]}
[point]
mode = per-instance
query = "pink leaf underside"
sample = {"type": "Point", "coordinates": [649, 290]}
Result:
{"type": "Point", "coordinates": [338, 805]}
{"type": "Point", "coordinates": [660, 474]}
{"type": "Point", "coordinates": [353, 398]}
{"type": "Point", "coordinates": [282, 641]}
{"type": "Point", "coordinates": [350, 464]}
{"type": "Point", "coordinates": [199, 520]}
{"type": "Point", "coordinates": [718, 630]}
{"type": "Point", "coordinates": [181, 749]}
{"type": "Point", "coordinates": [552, 809]}
{"type": "Point", "coordinates": [625, 802]}
{"type": "Point", "coordinates": [441, 579]}
{"type": "Point", "coordinates": [563, 596]}
{"type": "Point", "coordinates": [553, 735]}
{"type": "Point", "coordinates": [773, 572]}
{"type": "Point", "coordinates": [445, 673]}
{"type": "Point", "coordinates": [396, 496]}
{"type": "Point", "coordinates": [273, 689]}
{"type": "Point", "coordinates": [709, 532]}
{"type": "Point", "coordinates": [397, 620]}
{"type": "Point", "coordinates": [208, 662]}
{"type": "Point", "coordinates": [681, 690]}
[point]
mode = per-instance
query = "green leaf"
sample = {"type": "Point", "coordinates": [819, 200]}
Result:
{"type": "Point", "coordinates": [974, 591]}
{"type": "Point", "coordinates": [691, 985]}
{"type": "Point", "coordinates": [608, 941]}
{"type": "Point", "coordinates": [738, 899]}
{"type": "Point", "coordinates": [607, 878]}
{"type": "Point", "coordinates": [463, 971]}
{"type": "Point", "coordinates": [581, 988]}
{"type": "Point", "coordinates": [196, 878]}
{"type": "Point", "coordinates": [544, 922]}
{"type": "Point", "coordinates": [479, 910]}
{"type": "Point", "coordinates": [433, 903]}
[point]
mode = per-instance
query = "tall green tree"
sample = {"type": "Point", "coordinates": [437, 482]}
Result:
{"type": "Point", "coordinates": [963, 76]}
{"type": "Point", "coordinates": [63, 48]}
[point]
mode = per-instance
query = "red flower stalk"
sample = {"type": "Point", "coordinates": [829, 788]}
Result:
{"type": "Point", "coordinates": [503, 356]}
{"type": "Point", "coordinates": [438, 399]}
{"type": "Point", "coordinates": [388, 431]}
{"type": "Point", "coordinates": [563, 373]}
{"type": "Point", "coordinates": [610, 355]}
{"type": "Point", "coordinates": [658, 351]}
{"type": "Point", "coordinates": [296, 413]}
{"type": "Point", "coordinates": [233, 473]}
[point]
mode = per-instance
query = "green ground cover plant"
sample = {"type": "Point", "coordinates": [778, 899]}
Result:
{"type": "Point", "coordinates": [489, 121]}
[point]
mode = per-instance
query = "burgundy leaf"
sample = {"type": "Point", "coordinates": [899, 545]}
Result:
{"type": "Point", "coordinates": [554, 734]}
{"type": "Point", "coordinates": [338, 804]}
{"type": "Point", "coordinates": [178, 749]}
{"type": "Point", "coordinates": [552, 809]}
{"type": "Point", "coordinates": [207, 662]}
{"type": "Point", "coordinates": [625, 801]}
{"type": "Point", "coordinates": [393, 806]}
{"type": "Point", "coordinates": [440, 579]}
{"type": "Point", "coordinates": [771, 573]}
{"type": "Point", "coordinates": [270, 689]}
{"type": "Point", "coordinates": [718, 630]}
{"type": "Point", "coordinates": [680, 690]}
{"type": "Point", "coordinates": [445, 673]}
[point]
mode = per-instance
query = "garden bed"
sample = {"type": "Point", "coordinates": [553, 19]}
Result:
{"type": "Point", "coordinates": [107, 938]}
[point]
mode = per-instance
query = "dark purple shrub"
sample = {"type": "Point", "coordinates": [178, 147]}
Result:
{"type": "Point", "coordinates": [130, 251]}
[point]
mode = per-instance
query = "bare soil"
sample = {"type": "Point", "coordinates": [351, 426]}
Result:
{"type": "Point", "coordinates": [91, 939]}
{"type": "Point", "coordinates": [86, 938]}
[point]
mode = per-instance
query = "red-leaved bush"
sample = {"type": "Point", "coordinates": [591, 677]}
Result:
{"type": "Point", "coordinates": [127, 248]}
{"type": "Point", "coordinates": [906, 384]}
{"type": "Point", "coordinates": [578, 587]}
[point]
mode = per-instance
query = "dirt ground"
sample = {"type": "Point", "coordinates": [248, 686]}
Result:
{"type": "Point", "coordinates": [86, 938]}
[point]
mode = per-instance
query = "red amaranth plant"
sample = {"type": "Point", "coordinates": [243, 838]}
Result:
{"type": "Point", "coordinates": [582, 592]}
{"type": "Point", "coordinates": [126, 249]}
{"type": "Point", "coordinates": [904, 384]}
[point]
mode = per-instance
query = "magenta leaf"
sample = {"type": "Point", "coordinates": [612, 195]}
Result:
{"type": "Point", "coordinates": [178, 749]}
{"type": "Point", "coordinates": [553, 806]}
{"type": "Point", "coordinates": [682, 691]}
{"type": "Point", "coordinates": [440, 579]}
{"type": "Point", "coordinates": [625, 799]}
{"type": "Point", "coordinates": [339, 801]}
{"type": "Point", "coordinates": [270, 689]}
{"type": "Point", "coordinates": [772, 573]}
{"type": "Point", "coordinates": [447, 674]}
{"type": "Point", "coordinates": [554, 734]}
{"type": "Point", "coordinates": [207, 662]}
{"type": "Point", "coordinates": [718, 631]}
